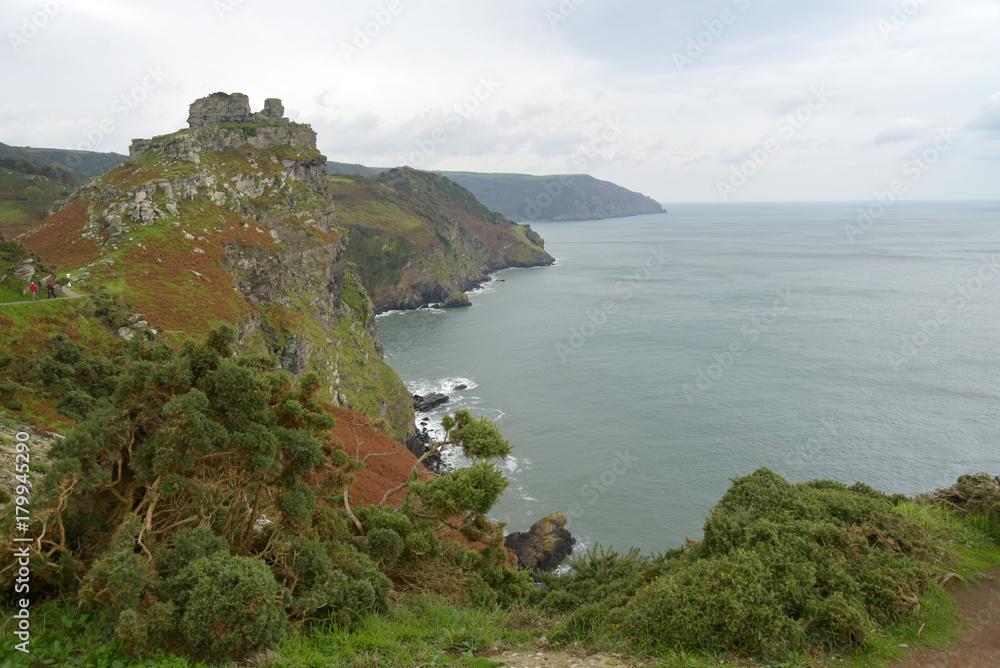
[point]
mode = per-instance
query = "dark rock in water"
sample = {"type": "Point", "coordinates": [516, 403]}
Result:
{"type": "Point", "coordinates": [431, 401]}
{"type": "Point", "coordinates": [419, 444]}
{"type": "Point", "coordinates": [544, 547]}
{"type": "Point", "coordinates": [460, 387]}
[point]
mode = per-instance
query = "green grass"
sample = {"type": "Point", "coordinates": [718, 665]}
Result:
{"type": "Point", "coordinates": [419, 631]}
{"type": "Point", "coordinates": [63, 636]}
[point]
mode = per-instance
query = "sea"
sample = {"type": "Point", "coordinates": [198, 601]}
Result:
{"type": "Point", "coordinates": [664, 355]}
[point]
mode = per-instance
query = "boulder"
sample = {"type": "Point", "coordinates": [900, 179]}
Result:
{"type": "Point", "coordinates": [544, 546]}
{"type": "Point", "coordinates": [273, 110]}
{"type": "Point", "coordinates": [430, 402]}
{"type": "Point", "coordinates": [25, 271]}
{"type": "Point", "coordinates": [219, 108]}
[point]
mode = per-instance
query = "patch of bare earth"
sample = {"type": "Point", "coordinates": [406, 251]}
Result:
{"type": "Point", "coordinates": [530, 659]}
{"type": "Point", "coordinates": [980, 604]}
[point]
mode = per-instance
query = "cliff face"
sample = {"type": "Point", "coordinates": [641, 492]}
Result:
{"type": "Point", "coordinates": [418, 238]}
{"type": "Point", "coordinates": [233, 220]}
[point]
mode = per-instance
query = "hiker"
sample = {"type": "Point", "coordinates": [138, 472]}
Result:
{"type": "Point", "coordinates": [51, 288]}
{"type": "Point", "coordinates": [34, 291]}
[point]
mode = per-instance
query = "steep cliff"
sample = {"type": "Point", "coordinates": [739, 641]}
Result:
{"type": "Point", "coordinates": [419, 238]}
{"type": "Point", "coordinates": [233, 220]}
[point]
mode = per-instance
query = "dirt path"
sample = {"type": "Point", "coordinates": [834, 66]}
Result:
{"type": "Point", "coordinates": [980, 604]}
{"type": "Point", "coordinates": [559, 660]}
{"type": "Point", "coordinates": [68, 294]}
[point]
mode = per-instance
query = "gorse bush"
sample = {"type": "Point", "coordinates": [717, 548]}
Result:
{"type": "Point", "coordinates": [195, 507]}
{"type": "Point", "coordinates": [781, 567]}
{"type": "Point", "coordinates": [197, 453]}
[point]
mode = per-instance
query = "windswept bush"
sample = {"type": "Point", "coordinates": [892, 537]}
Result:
{"type": "Point", "coordinates": [196, 452]}
{"type": "Point", "coordinates": [781, 567]}
{"type": "Point", "coordinates": [196, 505]}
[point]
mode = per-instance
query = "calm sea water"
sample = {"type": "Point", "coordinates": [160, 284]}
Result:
{"type": "Point", "coordinates": [663, 355]}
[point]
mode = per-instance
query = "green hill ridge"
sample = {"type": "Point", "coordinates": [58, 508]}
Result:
{"type": "Point", "coordinates": [524, 197]}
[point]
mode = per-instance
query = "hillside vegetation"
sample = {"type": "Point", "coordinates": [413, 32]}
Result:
{"type": "Point", "coordinates": [418, 238]}
{"type": "Point", "coordinates": [524, 197]}
{"type": "Point", "coordinates": [556, 197]}
{"type": "Point", "coordinates": [206, 452]}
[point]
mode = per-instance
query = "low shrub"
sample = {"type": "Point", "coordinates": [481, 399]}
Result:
{"type": "Point", "coordinates": [782, 567]}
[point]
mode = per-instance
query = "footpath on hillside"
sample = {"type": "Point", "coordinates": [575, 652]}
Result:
{"type": "Point", "coordinates": [67, 294]}
{"type": "Point", "coordinates": [980, 605]}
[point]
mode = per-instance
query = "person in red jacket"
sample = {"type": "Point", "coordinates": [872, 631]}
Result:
{"type": "Point", "coordinates": [33, 289]}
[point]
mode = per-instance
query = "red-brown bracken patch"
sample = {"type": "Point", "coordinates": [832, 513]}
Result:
{"type": "Point", "coordinates": [57, 238]}
{"type": "Point", "coordinates": [387, 461]}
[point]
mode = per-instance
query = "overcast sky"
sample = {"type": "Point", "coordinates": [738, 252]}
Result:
{"type": "Point", "coordinates": [736, 100]}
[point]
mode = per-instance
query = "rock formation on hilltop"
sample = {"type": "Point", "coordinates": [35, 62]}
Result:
{"type": "Point", "coordinates": [224, 108]}
{"type": "Point", "coordinates": [233, 219]}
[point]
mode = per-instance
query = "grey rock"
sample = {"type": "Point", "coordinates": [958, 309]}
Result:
{"type": "Point", "coordinates": [273, 109]}
{"type": "Point", "coordinates": [138, 147]}
{"type": "Point", "coordinates": [219, 108]}
{"type": "Point", "coordinates": [25, 271]}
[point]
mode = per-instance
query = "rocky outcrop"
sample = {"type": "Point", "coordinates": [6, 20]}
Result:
{"type": "Point", "coordinates": [265, 216]}
{"type": "Point", "coordinates": [273, 110]}
{"type": "Point", "coordinates": [456, 300]}
{"type": "Point", "coordinates": [543, 547]}
{"type": "Point", "coordinates": [235, 108]}
{"type": "Point", "coordinates": [430, 402]}
{"type": "Point", "coordinates": [219, 108]}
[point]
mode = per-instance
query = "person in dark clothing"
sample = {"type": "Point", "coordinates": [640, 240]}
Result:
{"type": "Point", "coordinates": [51, 288]}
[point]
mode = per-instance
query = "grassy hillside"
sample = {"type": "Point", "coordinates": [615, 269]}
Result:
{"type": "Point", "coordinates": [416, 237]}
{"type": "Point", "coordinates": [25, 196]}
{"type": "Point", "coordinates": [86, 163]}
{"type": "Point", "coordinates": [206, 228]}
{"type": "Point", "coordinates": [523, 197]}
{"type": "Point", "coordinates": [557, 197]}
